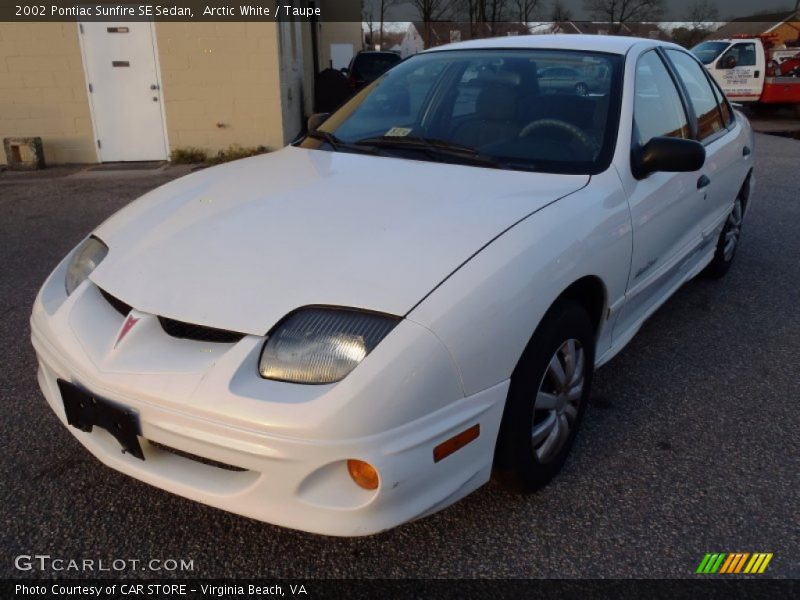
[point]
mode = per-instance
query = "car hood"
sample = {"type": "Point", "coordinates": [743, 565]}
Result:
{"type": "Point", "coordinates": [239, 246]}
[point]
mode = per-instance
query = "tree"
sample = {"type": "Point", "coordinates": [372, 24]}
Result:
{"type": "Point", "coordinates": [702, 15]}
{"type": "Point", "coordinates": [428, 11]}
{"type": "Point", "coordinates": [526, 9]}
{"type": "Point", "coordinates": [560, 13]}
{"type": "Point", "coordinates": [368, 14]}
{"type": "Point", "coordinates": [618, 12]}
{"type": "Point", "coordinates": [383, 6]}
{"type": "Point", "coordinates": [701, 12]}
{"type": "Point", "coordinates": [431, 10]}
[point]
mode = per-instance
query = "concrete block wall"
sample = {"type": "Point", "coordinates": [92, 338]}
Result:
{"type": "Point", "coordinates": [43, 90]}
{"type": "Point", "coordinates": [221, 84]}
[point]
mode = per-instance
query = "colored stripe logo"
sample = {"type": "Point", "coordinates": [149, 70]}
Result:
{"type": "Point", "coordinates": [734, 562]}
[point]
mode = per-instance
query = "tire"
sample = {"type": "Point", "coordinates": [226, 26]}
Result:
{"type": "Point", "coordinates": [523, 462]}
{"type": "Point", "coordinates": [727, 243]}
{"type": "Point", "coordinates": [581, 89]}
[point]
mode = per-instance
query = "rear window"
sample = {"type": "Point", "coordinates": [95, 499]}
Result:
{"type": "Point", "coordinates": [374, 65]}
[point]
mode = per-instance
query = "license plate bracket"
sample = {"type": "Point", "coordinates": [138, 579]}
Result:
{"type": "Point", "coordinates": [84, 411]}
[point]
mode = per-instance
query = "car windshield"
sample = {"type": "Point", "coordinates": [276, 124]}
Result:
{"type": "Point", "coordinates": [541, 110]}
{"type": "Point", "coordinates": [708, 51]}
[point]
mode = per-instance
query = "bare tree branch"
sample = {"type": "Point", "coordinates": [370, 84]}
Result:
{"type": "Point", "coordinates": [428, 11]}
{"type": "Point", "coordinates": [383, 6]}
{"type": "Point", "coordinates": [560, 13]}
{"type": "Point", "coordinates": [526, 9]}
{"type": "Point", "coordinates": [618, 12]}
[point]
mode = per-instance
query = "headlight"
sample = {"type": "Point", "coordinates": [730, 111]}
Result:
{"type": "Point", "coordinates": [321, 345]}
{"type": "Point", "coordinates": [85, 260]}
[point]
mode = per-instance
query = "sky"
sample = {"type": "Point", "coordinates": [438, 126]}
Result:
{"type": "Point", "coordinates": [674, 9]}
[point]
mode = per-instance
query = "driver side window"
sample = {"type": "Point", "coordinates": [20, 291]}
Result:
{"type": "Point", "coordinates": [658, 110]}
{"type": "Point", "coordinates": [744, 55]}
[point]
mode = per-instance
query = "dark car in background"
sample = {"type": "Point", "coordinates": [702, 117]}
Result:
{"type": "Point", "coordinates": [367, 66]}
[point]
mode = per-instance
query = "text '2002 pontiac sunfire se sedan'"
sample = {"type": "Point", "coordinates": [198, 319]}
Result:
{"type": "Point", "coordinates": [359, 329]}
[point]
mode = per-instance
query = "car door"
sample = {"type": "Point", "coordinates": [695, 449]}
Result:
{"type": "Point", "coordinates": [739, 68]}
{"type": "Point", "coordinates": [666, 208]}
{"type": "Point", "coordinates": [715, 131]}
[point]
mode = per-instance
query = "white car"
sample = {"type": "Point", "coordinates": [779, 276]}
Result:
{"type": "Point", "coordinates": [359, 329]}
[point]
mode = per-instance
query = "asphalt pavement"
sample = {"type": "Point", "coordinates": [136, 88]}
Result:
{"type": "Point", "coordinates": [690, 445]}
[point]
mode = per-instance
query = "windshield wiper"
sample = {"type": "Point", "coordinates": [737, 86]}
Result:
{"type": "Point", "coordinates": [338, 144]}
{"type": "Point", "coordinates": [326, 136]}
{"type": "Point", "coordinates": [436, 147]}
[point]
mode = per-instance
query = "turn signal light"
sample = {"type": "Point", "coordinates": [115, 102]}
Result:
{"type": "Point", "coordinates": [457, 442]}
{"type": "Point", "coordinates": [363, 473]}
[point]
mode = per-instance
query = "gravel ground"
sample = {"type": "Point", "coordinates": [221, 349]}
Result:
{"type": "Point", "coordinates": [690, 444]}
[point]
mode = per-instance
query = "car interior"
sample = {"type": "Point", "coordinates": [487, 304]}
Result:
{"type": "Point", "coordinates": [499, 106]}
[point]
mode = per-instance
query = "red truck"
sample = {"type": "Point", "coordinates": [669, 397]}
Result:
{"type": "Point", "coordinates": [761, 70]}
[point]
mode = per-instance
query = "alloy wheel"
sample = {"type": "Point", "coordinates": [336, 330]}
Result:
{"type": "Point", "coordinates": [558, 399]}
{"type": "Point", "coordinates": [733, 228]}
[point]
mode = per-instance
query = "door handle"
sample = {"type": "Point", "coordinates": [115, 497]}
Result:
{"type": "Point", "coordinates": [757, 74]}
{"type": "Point", "coordinates": [746, 151]}
{"type": "Point", "coordinates": [703, 182]}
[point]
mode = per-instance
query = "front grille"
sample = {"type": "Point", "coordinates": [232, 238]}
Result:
{"type": "Point", "coordinates": [180, 329]}
{"type": "Point", "coordinates": [199, 333]}
{"type": "Point", "coordinates": [118, 305]}
{"type": "Point", "coordinates": [194, 457]}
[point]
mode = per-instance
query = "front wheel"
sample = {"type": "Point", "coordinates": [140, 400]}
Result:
{"type": "Point", "coordinates": [546, 400]}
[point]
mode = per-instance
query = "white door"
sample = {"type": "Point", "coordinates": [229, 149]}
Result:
{"type": "Point", "coordinates": [124, 90]}
{"type": "Point", "coordinates": [666, 208]}
{"type": "Point", "coordinates": [341, 54]}
{"type": "Point", "coordinates": [740, 71]}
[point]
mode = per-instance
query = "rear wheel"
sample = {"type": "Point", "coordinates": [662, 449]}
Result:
{"type": "Point", "coordinates": [727, 243]}
{"type": "Point", "coordinates": [547, 398]}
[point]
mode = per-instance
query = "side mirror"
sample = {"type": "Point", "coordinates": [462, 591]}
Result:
{"type": "Point", "coordinates": [317, 119]}
{"type": "Point", "coordinates": [345, 70]}
{"type": "Point", "coordinates": [669, 154]}
{"type": "Point", "coordinates": [727, 62]}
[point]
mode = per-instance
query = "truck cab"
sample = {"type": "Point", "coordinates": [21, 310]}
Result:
{"type": "Point", "coordinates": [738, 65]}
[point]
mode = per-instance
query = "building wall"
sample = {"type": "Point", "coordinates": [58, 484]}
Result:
{"type": "Point", "coordinates": [788, 31]}
{"type": "Point", "coordinates": [292, 75]}
{"type": "Point", "coordinates": [343, 32]}
{"type": "Point", "coordinates": [43, 90]}
{"type": "Point", "coordinates": [221, 84]}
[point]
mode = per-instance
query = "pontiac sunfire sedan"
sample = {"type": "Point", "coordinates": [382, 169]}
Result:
{"type": "Point", "coordinates": [361, 328]}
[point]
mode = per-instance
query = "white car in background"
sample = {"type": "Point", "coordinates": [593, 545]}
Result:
{"type": "Point", "coordinates": [359, 329]}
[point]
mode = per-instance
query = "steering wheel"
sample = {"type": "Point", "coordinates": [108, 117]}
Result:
{"type": "Point", "coordinates": [575, 132]}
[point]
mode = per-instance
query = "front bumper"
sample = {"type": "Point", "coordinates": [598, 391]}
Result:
{"type": "Point", "coordinates": [288, 443]}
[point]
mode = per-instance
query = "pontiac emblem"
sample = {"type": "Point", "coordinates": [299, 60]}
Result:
{"type": "Point", "coordinates": [126, 327]}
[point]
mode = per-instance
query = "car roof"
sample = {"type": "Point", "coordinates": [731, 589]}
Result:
{"type": "Point", "coordinates": [377, 53]}
{"type": "Point", "coordinates": [614, 44]}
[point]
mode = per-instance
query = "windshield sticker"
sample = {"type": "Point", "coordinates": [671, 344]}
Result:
{"type": "Point", "coordinates": [398, 132]}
